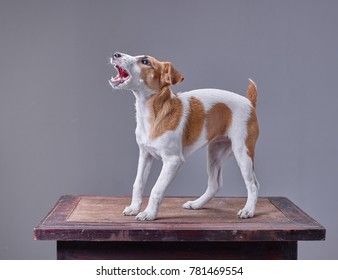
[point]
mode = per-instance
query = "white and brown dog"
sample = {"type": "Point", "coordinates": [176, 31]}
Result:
{"type": "Point", "coordinates": [172, 126]}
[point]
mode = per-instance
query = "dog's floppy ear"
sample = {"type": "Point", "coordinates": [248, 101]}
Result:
{"type": "Point", "coordinates": [170, 76]}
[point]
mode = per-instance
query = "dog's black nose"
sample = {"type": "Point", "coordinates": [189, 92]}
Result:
{"type": "Point", "coordinates": [117, 55]}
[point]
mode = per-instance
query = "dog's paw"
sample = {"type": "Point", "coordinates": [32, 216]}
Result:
{"type": "Point", "coordinates": [191, 205]}
{"type": "Point", "coordinates": [244, 213]}
{"type": "Point", "coordinates": [145, 216]}
{"type": "Point", "coordinates": [131, 211]}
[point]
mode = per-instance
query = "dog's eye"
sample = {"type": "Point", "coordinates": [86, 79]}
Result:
{"type": "Point", "coordinates": [145, 61]}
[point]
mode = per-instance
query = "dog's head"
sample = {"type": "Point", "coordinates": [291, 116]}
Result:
{"type": "Point", "coordinates": [142, 73]}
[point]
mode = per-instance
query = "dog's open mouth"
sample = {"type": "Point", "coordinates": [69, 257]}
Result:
{"type": "Point", "coordinates": [122, 76]}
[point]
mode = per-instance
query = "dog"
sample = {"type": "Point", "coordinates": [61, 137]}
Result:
{"type": "Point", "coordinates": [171, 126]}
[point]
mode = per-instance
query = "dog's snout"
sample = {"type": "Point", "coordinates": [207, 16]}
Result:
{"type": "Point", "coordinates": [116, 55]}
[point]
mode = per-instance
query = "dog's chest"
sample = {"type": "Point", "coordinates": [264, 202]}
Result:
{"type": "Point", "coordinates": [142, 132]}
{"type": "Point", "coordinates": [145, 143]}
{"type": "Point", "coordinates": [165, 144]}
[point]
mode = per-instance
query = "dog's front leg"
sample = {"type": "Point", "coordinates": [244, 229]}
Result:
{"type": "Point", "coordinates": [171, 165]}
{"type": "Point", "coordinates": [144, 165]}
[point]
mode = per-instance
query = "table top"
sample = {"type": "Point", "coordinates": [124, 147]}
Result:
{"type": "Point", "coordinates": [100, 218]}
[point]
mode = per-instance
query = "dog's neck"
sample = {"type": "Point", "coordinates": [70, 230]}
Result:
{"type": "Point", "coordinates": [141, 100]}
{"type": "Point", "coordinates": [152, 107]}
{"type": "Point", "coordinates": [145, 96]}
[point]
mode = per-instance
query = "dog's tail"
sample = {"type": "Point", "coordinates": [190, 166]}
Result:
{"type": "Point", "coordinates": [251, 93]}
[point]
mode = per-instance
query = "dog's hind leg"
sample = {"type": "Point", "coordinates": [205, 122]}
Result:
{"type": "Point", "coordinates": [245, 163]}
{"type": "Point", "coordinates": [217, 151]}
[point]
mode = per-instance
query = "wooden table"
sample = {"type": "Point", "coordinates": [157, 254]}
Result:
{"type": "Point", "coordinates": [93, 227]}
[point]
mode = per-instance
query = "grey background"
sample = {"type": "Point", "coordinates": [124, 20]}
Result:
{"type": "Point", "coordinates": [63, 130]}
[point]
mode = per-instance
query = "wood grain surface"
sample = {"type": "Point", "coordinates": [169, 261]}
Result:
{"type": "Point", "coordinates": [219, 210]}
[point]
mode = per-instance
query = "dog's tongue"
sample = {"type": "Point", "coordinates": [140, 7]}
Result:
{"type": "Point", "coordinates": [122, 73]}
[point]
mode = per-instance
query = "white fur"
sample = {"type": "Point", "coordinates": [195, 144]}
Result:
{"type": "Point", "coordinates": [168, 146]}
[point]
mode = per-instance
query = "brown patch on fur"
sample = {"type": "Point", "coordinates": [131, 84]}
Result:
{"type": "Point", "coordinates": [253, 133]}
{"type": "Point", "coordinates": [151, 75]}
{"type": "Point", "coordinates": [165, 112]}
{"type": "Point", "coordinates": [195, 122]}
{"type": "Point", "coordinates": [158, 74]}
{"type": "Point", "coordinates": [219, 119]}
